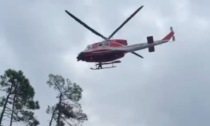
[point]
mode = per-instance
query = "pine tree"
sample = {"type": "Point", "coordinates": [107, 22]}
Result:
{"type": "Point", "coordinates": [67, 110]}
{"type": "Point", "coordinates": [18, 102]}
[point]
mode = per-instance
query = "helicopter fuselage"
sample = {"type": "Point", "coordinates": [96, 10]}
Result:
{"type": "Point", "coordinates": [104, 51]}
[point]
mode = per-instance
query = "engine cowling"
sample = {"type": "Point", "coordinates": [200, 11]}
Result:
{"type": "Point", "coordinates": [150, 40]}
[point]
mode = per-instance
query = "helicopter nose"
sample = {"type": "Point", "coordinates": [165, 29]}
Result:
{"type": "Point", "coordinates": [80, 56]}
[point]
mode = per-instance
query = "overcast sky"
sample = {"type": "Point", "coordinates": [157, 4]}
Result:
{"type": "Point", "coordinates": [169, 87]}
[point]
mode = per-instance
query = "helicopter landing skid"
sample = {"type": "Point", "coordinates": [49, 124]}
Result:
{"type": "Point", "coordinates": [102, 68]}
{"type": "Point", "coordinates": [99, 65]}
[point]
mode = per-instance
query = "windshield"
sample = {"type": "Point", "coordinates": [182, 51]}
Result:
{"type": "Point", "coordinates": [96, 45]}
{"type": "Point", "coordinates": [88, 47]}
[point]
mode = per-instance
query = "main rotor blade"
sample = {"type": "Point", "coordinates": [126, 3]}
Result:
{"type": "Point", "coordinates": [137, 54]}
{"type": "Point", "coordinates": [85, 25]}
{"type": "Point", "coordinates": [125, 22]}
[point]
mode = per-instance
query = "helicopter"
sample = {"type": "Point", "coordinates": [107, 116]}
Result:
{"type": "Point", "coordinates": [108, 51]}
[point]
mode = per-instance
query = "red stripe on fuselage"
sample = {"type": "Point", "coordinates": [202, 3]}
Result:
{"type": "Point", "coordinates": [103, 55]}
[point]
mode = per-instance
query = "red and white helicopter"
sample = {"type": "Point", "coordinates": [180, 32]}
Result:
{"type": "Point", "coordinates": [110, 50]}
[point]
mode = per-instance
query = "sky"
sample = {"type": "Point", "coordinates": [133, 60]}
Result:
{"type": "Point", "coordinates": [169, 87]}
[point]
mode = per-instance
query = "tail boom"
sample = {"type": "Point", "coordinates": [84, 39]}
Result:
{"type": "Point", "coordinates": [150, 43]}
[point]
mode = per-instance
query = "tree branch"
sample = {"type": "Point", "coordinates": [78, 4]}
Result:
{"type": "Point", "coordinates": [52, 116]}
{"type": "Point", "coordinates": [66, 121]}
{"type": "Point", "coordinates": [58, 88]}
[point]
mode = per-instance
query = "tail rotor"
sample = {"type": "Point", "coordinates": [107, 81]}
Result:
{"type": "Point", "coordinates": [173, 37]}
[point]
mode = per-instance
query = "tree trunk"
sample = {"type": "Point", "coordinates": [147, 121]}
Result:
{"type": "Point", "coordinates": [4, 107]}
{"type": "Point", "coordinates": [52, 117]}
{"type": "Point", "coordinates": [13, 106]}
{"type": "Point", "coordinates": [59, 111]}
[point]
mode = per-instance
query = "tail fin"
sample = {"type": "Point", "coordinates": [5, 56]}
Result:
{"type": "Point", "coordinates": [169, 36]}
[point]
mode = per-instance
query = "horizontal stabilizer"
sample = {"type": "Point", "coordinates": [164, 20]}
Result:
{"type": "Point", "coordinates": [151, 49]}
{"type": "Point", "coordinates": [150, 41]}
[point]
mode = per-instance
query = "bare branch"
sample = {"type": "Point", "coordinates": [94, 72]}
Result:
{"type": "Point", "coordinates": [66, 121]}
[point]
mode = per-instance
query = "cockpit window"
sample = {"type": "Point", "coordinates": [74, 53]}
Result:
{"type": "Point", "coordinates": [88, 47]}
{"type": "Point", "coordinates": [100, 44]}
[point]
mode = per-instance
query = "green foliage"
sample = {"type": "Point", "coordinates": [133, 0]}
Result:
{"type": "Point", "coordinates": [19, 98]}
{"type": "Point", "coordinates": [68, 96]}
{"type": "Point", "coordinates": [29, 117]}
